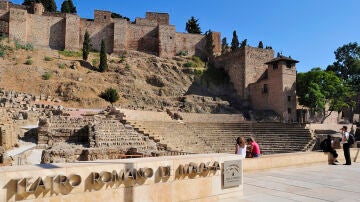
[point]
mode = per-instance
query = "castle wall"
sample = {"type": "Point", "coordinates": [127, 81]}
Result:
{"type": "Point", "coordinates": [142, 38]}
{"type": "Point", "coordinates": [72, 27]}
{"type": "Point", "coordinates": [160, 18]}
{"type": "Point", "coordinates": [97, 31]}
{"type": "Point", "coordinates": [255, 66]}
{"type": "Point", "coordinates": [45, 31]}
{"type": "Point", "coordinates": [167, 40]}
{"type": "Point", "coordinates": [4, 22]}
{"type": "Point", "coordinates": [193, 43]}
{"type": "Point", "coordinates": [120, 35]}
{"type": "Point", "coordinates": [234, 64]}
{"type": "Point", "coordinates": [18, 24]}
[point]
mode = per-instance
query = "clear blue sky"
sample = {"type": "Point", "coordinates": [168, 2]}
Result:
{"type": "Point", "coordinates": [307, 30]}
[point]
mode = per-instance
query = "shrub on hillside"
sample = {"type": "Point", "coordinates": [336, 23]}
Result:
{"type": "Point", "coordinates": [46, 76]}
{"type": "Point", "coordinates": [110, 95]}
{"type": "Point", "coordinates": [28, 62]}
{"type": "Point", "coordinates": [46, 58]}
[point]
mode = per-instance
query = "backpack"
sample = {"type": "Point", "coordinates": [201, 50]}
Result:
{"type": "Point", "coordinates": [351, 139]}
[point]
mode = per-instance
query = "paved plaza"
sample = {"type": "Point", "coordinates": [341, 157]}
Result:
{"type": "Point", "coordinates": [310, 183]}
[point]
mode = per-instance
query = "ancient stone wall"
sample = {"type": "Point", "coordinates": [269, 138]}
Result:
{"type": "Point", "coordinates": [160, 18]}
{"type": "Point", "coordinates": [234, 64]}
{"type": "Point", "coordinates": [142, 38]}
{"type": "Point", "coordinates": [46, 31]}
{"type": "Point", "coordinates": [18, 24]}
{"type": "Point", "coordinates": [59, 129]}
{"type": "Point", "coordinates": [98, 32]}
{"type": "Point", "coordinates": [167, 40]}
{"type": "Point", "coordinates": [72, 38]}
{"type": "Point", "coordinates": [103, 17]}
{"type": "Point", "coordinates": [152, 34]}
{"type": "Point", "coordinates": [193, 43]}
{"type": "Point", "coordinates": [245, 66]}
{"type": "Point", "coordinates": [120, 35]}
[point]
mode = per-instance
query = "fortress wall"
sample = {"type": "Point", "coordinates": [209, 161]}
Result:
{"type": "Point", "coordinates": [193, 43]}
{"type": "Point", "coordinates": [234, 65]}
{"type": "Point", "coordinates": [160, 18]}
{"type": "Point", "coordinates": [142, 38]}
{"type": "Point", "coordinates": [46, 31]}
{"type": "Point", "coordinates": [72, 27]}
{"type": "Point", "coordinates": [216, 37]}
{"type": "Point", "coordinates": [98, 31]}
{"type": "Point", "coordinates": [120, 35]}
{"type": "Point", "coordinates": [255, 66]}
{"type": "Point", "coordinates": [146, 22]}
{"type": "Point", "coordinates": [18, 24]}
{"type": "Point", "coordinates": [167, 38]}
{"type": "Point", "coordinates": [4, 21]}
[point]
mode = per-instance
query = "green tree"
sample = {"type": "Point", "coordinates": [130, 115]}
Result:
{"type": "Point", "coordinates": [68, 7]}
{"type": "Point", "coordinates": [243, 43]}
{"type": "Point", "coordinates": [234, 42]}
{"type": "Point", "coordinates": [86, 46]}
{"type": "Point", "coordinates": [224, 45]}
{"type": "Point", "coordinates": [110, 95]}
{"type": "Point", "coordinates": [103, 57]}
{"type": "Point", "coordinates": [49, 5]}
{"type": "Point", "coordinates": [192, 26]}
{"type": "Point", "coordinates": [318, 88]}
{"type": "Point", "coordinates": [347, 64]}
{"type": "Point", "coordinates": [261, 45]}
{"type": "Point", "coordinates": [209, 45]}
{"type": "Point", "coordinates": [65, 7]}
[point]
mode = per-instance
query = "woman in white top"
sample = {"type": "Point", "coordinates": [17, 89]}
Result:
{"type": "Point", "coordinates": [240, 147]}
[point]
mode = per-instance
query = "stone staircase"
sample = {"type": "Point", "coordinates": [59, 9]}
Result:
{"type": "Point", "coordinates": [112, 133]}
{"type": "Point", "coordinates": [206, 133]}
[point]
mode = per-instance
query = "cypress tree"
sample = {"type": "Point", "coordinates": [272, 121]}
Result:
{"type": "Point", "coordinates": [68, 7]}
{"type": "Point", "coordinates": [261, 45]}
{"type": "Point", "coordinates": [65, 7]}
{"type": "Point", "coordinates": [49, 5]}
{"type": "Point", "coordinates": [224, 45]}
{"type": "Point", "coordinates": [234, 42]}
{"type": "Point", "coordinates": [103, 57]}
{"type": "Point", "coordinates": [243, 43]}
{"type": "Point", "coordinates": [86, 45]}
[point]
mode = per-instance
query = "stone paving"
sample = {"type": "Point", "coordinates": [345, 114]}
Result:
{"type": "Point", "coordinates": [338, 183]}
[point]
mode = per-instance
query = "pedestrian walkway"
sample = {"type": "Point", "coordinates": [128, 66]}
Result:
{"type": "Point", "coordinates": [338, 183]}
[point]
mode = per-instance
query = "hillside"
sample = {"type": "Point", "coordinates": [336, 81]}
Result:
{"type": "Point", "coordinates": [143, 81]}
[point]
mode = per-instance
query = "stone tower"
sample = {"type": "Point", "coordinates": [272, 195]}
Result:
{"type": "Point", "coordinates": [276, 89]}
{"type": "Point", "coordinates": [38, 9]}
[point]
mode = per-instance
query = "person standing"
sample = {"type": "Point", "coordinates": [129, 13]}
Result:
{"type": "Point", "coordinates": [255, 149]}
{"type": "Point", "coordinates": [240, 147]}
{"type": "Point", "coordinates": [346, 145]}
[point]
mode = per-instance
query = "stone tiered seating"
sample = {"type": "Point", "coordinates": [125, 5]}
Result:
{"type": "Point", "coordinates": [203, 133]}
{"type": "Point", "coordinates": [112, 133]}
{"type": "Point", "coordinates": [211, 118]}
{"type": "Point", "coordinates": [175, 135]}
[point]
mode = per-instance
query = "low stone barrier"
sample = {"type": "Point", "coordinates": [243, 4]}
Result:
{"type": "Point", "coordinates": [292, 159]}
{"type": "Point", "coordinates": [206, 177]}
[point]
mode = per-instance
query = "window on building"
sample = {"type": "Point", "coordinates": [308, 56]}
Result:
{"type": "Point", "coordinates": [275, 65]}
{"type": "Point", "coordinates": [289, 98]}
{"type": "Point", "coordinates": [265, 88]}
{"type": "Point", "coordinates": [104, 16]}
{"type": "Point", "coordinates": [289, 110]}
{"type": "Point", "coordinates": [288, 65]}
